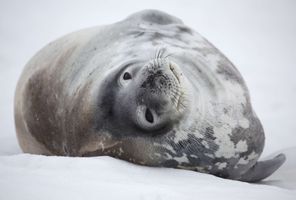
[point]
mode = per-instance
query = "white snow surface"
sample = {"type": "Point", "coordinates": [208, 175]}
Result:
{"type": "Point", "coordinates": [257, 36]}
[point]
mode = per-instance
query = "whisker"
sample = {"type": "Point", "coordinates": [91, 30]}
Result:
{"type": "Point", "coordinates": [162, 53]}
{"type": "Point", "coordinates": [156, 53]}
{"type": "Point", "coordinates": [169, 55]}
{"type": "Point", "coordinates": [159, 53]}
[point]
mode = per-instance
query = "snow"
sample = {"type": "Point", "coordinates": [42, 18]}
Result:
{"type": "Point", "coordinates": [41, 177]}
{"type": "Point", "coordinates": [257, 36]}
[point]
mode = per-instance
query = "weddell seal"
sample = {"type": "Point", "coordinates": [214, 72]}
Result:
{"type": "Point", "coordinates": [148, 90]}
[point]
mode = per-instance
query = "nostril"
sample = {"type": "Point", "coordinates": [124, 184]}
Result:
{"type": "Point", "coordinates": [149, 116]}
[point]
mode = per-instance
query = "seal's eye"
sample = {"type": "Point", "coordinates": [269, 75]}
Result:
{"type": "Point", "coordinates": [127, 76]}
{"type": "Point", "coordinates": [149, 116]}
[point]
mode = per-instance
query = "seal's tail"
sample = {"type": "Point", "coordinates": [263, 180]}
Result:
{"type": "Point", "coordinates": [263, 169]}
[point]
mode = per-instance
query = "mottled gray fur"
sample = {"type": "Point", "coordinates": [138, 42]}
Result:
{"type": "Point", "coordinates": [149, 90]}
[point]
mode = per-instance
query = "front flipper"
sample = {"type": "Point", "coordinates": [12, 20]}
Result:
{"type": "Point", "coordinates": [263, 169]}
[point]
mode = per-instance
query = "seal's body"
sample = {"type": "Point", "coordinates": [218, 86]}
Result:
{"type": "Point", "coordinates": [148, 90]}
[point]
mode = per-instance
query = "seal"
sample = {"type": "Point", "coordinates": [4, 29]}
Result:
{"type": "Point", "coordinates": [148, 90]}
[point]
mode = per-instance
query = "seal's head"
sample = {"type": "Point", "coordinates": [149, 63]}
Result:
{"type": "Point", "coordinates": [140, 103]}
{"type": "Point", "coordinates": [144, 98]}
{"type": "Point", "coordinates": [149, 97]}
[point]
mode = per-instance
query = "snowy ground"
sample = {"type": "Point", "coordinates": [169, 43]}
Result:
{"type": "Point", "coordinates": [257, 36]}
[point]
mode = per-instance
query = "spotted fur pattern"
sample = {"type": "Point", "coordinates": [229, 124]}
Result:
{"type": "Point", "coordinates": [64, 99]}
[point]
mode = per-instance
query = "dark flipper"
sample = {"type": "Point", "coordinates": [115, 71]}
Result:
{"type": "Point", "coordinates": [263, 169]}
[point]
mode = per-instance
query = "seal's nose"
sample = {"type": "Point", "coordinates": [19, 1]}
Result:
{"type": "Point", "coordinates": [159, 85]}
{"type": "Point", "coordinates": [160, 74]}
